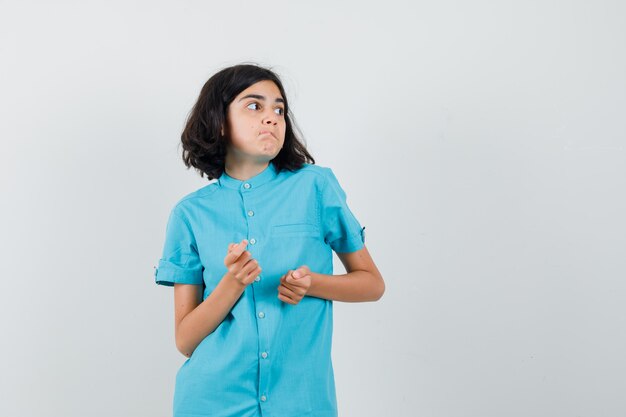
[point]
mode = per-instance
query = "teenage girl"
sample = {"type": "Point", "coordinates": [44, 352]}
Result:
{"type": "Point", "coordinates": [250, 258]}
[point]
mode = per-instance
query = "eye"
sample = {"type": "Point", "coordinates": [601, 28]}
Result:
{"type": "Point", "coordinates": [253, 104]}
{"type": "Point", "coordinates": [279, 110]}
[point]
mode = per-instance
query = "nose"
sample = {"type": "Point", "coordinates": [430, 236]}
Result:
{"type": "Point", "coordinates": [270, 118]}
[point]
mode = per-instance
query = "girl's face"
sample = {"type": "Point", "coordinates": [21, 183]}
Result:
{"type": "Point", "coordinates": [256, 123]}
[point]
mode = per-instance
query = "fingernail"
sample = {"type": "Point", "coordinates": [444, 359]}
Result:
{"type": "Point", "coordinates": [296, 274]}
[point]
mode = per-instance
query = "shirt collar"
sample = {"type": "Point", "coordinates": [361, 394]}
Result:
{"type": "Point", "coordinates": [268, 174]}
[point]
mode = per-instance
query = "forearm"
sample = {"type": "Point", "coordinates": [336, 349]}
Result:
{"type": "Point", "coordinates": [207, 316]}
{"type": "Point", "coordinates": [355, 286]}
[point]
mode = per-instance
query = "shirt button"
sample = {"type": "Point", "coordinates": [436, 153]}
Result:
{"type": "Point", "coordinates": [263, 398]}
{"type": "Point", "coordinates": [258, 278]}
{"type": "Point", "coordinates": [246, 186]}
{"type": "Point", "coordinates": [252, 241]}
{"type": "Point", "coordinates": [261, 315]}
{"type": "Point", "coordinates": [264, 355]}
{"type": "Point", "coordinates": [250, 213]}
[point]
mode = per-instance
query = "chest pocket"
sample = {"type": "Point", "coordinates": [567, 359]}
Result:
{"type": "Point", "coordinates": [295, 230]}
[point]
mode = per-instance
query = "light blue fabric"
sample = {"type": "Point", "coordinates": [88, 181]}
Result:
{"type": "Point", "coordinates": [267, 358]}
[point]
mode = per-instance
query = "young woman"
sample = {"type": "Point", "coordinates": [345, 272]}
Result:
{"type": "Point", "coordinates": [250, 258]}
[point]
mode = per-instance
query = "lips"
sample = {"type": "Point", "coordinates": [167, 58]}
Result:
{"type": "Point", "coordinates": [266, 132]}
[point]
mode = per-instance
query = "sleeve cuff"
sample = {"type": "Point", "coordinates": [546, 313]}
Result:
{"type": "Point", "coordinates": [349, 244]}
{"type": "Point", "coordinates": [168, 274]}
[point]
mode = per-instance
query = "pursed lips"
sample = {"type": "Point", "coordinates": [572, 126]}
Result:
{"type": "Point", "coordinates": [266, 132]}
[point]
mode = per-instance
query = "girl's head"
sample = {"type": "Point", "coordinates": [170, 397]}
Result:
{"type": "Point", "coordinates": [235, 106]}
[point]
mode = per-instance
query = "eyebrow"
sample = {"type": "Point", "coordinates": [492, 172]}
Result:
{"type": "Point", "coordinates": [260, 97]}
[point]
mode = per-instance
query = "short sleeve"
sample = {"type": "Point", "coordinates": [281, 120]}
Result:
{"type": "Point", "coordinates": [342, 231]}
{"type": "Point", "coordinates": [180, 263]}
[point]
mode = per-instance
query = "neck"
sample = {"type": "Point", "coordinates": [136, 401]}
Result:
{"type": "Point", "coordinates": [244, 170]}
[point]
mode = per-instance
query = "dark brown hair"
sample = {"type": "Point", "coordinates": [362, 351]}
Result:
{"type": "Point", "coordinates": [204, 148]}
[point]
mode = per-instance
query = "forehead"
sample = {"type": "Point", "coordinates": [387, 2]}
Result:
{"type": "Point", "coordinates": [265, 88]}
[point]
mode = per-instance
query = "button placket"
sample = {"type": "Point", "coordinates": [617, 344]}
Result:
{"type": "Point", "coordinates": [251, 218]}
{"type": "Point", "coordinates": [251, 229]}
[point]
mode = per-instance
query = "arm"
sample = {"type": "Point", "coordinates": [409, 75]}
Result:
{"type": "Point", "coordinates": [362, 282]}
{"type": "Point", "coordinates": [196, 319]}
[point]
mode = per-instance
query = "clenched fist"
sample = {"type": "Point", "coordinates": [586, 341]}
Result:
{"type": "Point", "coordinates": [294, 285]}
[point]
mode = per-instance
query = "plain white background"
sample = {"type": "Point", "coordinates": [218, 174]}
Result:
{"type": "Point", "coordinates": [481, 144]}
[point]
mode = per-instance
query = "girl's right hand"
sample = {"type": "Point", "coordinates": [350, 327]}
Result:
{"type": "Point", "coordinates": [241, 267]}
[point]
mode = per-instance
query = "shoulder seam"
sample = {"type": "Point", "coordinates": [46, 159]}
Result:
{"type": "Point", "coordinates": [317, 169]}
{"type": "Point", "coordinates": [196, 194]}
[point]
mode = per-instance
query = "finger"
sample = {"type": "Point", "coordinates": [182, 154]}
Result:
{"type": "Point", "coordinates": [299, 291]}
{"type": "Point", "coordinates": [236, 251]}
{"type": "Point", "coordinates": [240, 246]}
{"type": "Point", "coordinates": [252, 275]}
{"type": "Point", "coordinates": [286, 299]}
{"type": "Point", "coordinates": [242, 272]}
{"type": "Point", "coordinates": [250, 266]}
{"type": "Point", "coordinates": [244, 258]}
{"type": "Point", "coordinates": [287, 283]}
{"type": "Point", "coordinates": [284, 277]}
{"type": "Point", "coordinates": [287, 292]}
{"type": "Point", "coordinates": [235, 267]}
{"type": "Point", "coordinates": [289, 279]}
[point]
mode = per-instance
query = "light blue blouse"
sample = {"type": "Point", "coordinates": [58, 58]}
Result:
{"type": "Point", "coordinates": [267, 358]}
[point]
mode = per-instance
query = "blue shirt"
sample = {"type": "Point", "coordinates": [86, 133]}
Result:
{"type": "Point", "coordinates": [267, 358]}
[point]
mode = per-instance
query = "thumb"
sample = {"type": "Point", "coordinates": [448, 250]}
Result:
{"type": "Point", "coordinates": [300, 272]}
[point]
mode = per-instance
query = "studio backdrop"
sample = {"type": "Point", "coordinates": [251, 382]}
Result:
{"type": "Point", "coordinates": [481, 144]}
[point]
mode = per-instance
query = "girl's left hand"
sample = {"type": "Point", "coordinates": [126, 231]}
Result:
{"type": "Point", "coordinates": [294, 285]}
